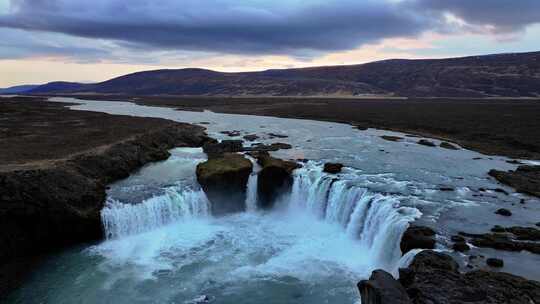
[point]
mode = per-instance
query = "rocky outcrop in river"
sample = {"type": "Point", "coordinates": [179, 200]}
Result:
{"type": "Point", "coordinates": [224, 180]}
{"type": "Point", "coordinates": [525, 179]}
{"type": "Point", "coordinates": [274, 179]}
{"type": "Point", "coordinates": [509, 239]}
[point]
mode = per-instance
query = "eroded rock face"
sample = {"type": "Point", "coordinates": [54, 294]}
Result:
{"type": "Point", "coordinates": [382, 288]}
{"type": "Point", "coordinates": [58, 205]}
{"type": "Point", "coordinates": [224, 180]}
{"type": "Point", "coordinates": [434, 278]}
{"type": "Point", "coordinates": [274, 178]}
{"type": "Point", "coordinates": [417, 237]}
{"type": "Point", "coordinates": [49, 208]}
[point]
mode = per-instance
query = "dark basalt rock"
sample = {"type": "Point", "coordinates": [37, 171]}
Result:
{"type": "Point", "coordinates": [274, 135]}
{"type": "Point", "coordinates": [391, 138]}
{"type": "Point", "coordinates": [271, 147]}
{"type": "Point", "coordinates": [457, 238]}
{"type": "Point", "coordinates": [417, 237]}
{"type": "Point", "coordinates": [281, 146]}
{"type": "Point", "coordinates": [224, 180]}
{"type": "Point", "coordinates": [498, 228]}
{"type": "Point", "coordinates": [503, 212]}
{"type": "Point", "coordinates": [461, 246]}
{"type": "Point", "coordinates": [499, 190]}
{"type": "Point", "coordinates": [382, 288]}
{"type": "Point", "coordinates": [521, 233]}
{"type": "Point", "coordinates": [434, 278]}
{"type": "Point", "coordinates": [200, 300]}
{"type": "Point", "coordinates": [447, 145]}
{"type": "Point", "coordinates": [251, 137]}
{"type": "Point", "coordinates": [446, 189]}
{"type": "Point", "coordinates": [233, 133]}
{"type": "Point", "coordinates": [216, 149]}
{"type": "Point", "coordinates": [525, 179]}
{"type": "Point", "coordinates": [425, 142]}
{"type": "Point", "coordinates": [493, 262]}
{"type": "Point", "coordinates": [274, 178]}
{"type": "Point", "coordinates": [514, 162]}
{"type": "Point", "coordinates": [510, 239]}
{"type": "Point", "coordinates": [48, 208]}
{"type": "Point", "coordinates": [332, 168]}
{"type": "Point", "coordinates": [361, 127]}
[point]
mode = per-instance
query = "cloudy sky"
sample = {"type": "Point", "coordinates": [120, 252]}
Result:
{"type": "Point", "coordinates": [82, 40]}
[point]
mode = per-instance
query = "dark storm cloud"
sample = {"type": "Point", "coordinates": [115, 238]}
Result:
{"type": "Point", "coordinates": [292, 27]}
{"type": "Point", "coordinates": [16, 44]}
{"type": "Point", "coordinates": [224, 26]}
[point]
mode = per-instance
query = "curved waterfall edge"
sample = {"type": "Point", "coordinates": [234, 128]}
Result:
{"type": "Point", "coordinates": [374, 220]}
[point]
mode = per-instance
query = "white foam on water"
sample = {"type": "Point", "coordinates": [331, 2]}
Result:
{"type": "Point", "coordinates": [141, 255]}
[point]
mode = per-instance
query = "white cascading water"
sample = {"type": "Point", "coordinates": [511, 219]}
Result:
{"type": "Point", "coordinates": [251, 194]}
{"type": "Point", "coordinates": [377, 221]}
{"type": "Point", "coordinates": [251, 191]}
{"type": "Point", "coordinates": [121, 219]}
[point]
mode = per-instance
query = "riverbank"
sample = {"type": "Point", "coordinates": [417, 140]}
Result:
{"type": "Point", "coordinates": [492, 126]}
{"type": "Point", "coordinates": [55, 165]}
{"type": "Point", "coordinates": [507, 127]}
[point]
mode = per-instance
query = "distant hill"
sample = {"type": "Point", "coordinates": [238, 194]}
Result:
{"type": "Point", "coordinates": [508, 75]}
{"type": "Point", "coordinates": [59, 86]}
{"type": "Point", "coordinates": [18, 89]}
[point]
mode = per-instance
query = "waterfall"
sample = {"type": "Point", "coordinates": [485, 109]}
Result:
{"type": "Point", "coordinates": [122, 219]}
{"type": "Point", "coordinates": [377, 221]}
{"type": "Point", "coordinates": [251, 191]}
{"type": "Point", "coordinates": [251, 195]}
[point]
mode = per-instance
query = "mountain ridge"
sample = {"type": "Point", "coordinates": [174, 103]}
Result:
{"type": "Point", "coordinates": [504, 75]}
{"type": "Point", "coordinates": [18, 89]}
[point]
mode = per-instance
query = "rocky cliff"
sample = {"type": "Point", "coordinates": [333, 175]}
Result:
{"type": "Point", "coordinates": [59, 204]}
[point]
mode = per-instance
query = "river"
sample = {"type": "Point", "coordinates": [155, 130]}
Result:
{"type": "Point", "coordinates": [163, 245]}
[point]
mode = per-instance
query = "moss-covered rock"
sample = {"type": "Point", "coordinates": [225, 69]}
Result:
{"type": "Point", "coordinates": [224, 180]}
